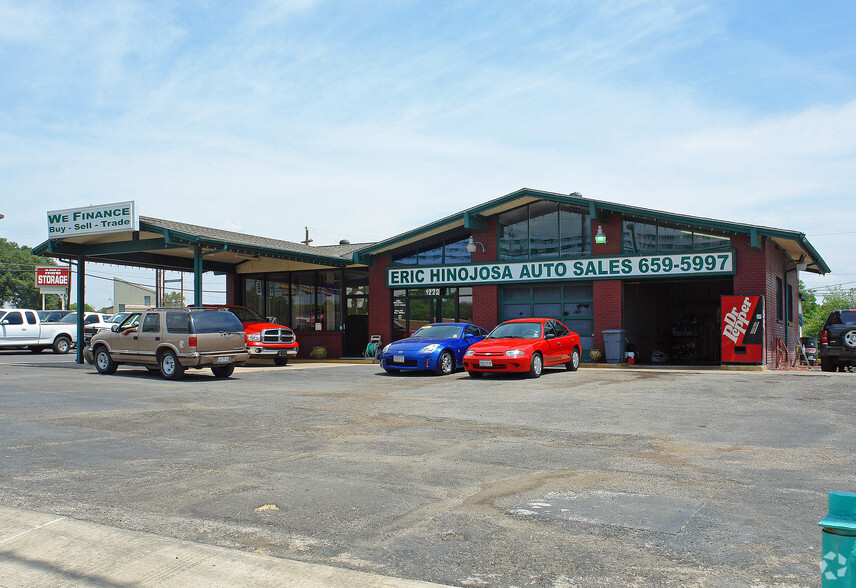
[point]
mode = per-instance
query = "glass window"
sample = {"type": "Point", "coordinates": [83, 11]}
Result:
{"type": "Point", "coordinates": [575, 231]}
{"type": "Point", "coordinates": [151, 323]}
{"type": "Point", "coordinates": [433, 256]}
{"type": "Point", "coordinates": [561, 330]}
{"type": "Point", "coordinates": [780, 311]}
{"type": "Point", "coordinates": [303, 302]}
{"type": "Point", "coordinates": [674, 238]}
{"type": "Point", "coordinates": [639, 237]}
{"type": "Point", "coordinates": [254, 294]}
{"type": "Point", "coordinates": [215, 321]}
{"type": "Point", "coordinates": [178, 322]}
{"type": "Point", "coordinates": [406, 259]}
{"type": "Point", "coordinates": [14, 318]}
{"type": "Point", "coordinates": [456, 253]}
{"type": "Point", "coordinates": [705, 241]}
{"type": "Point", "coordinates": [547, 309]}
{"type": "Point", "coordinates": [278, 301]}
{"type": "Point", "coordinates": [544, 230]}
{"type": "Point", "coordinates": [329, 300]}
{"type": "Point", "coordinates": [516, 293]}
{"type": "Point", "coordinates": [514, 234]}
{"type": "Point", "coordinates": [31, 317]}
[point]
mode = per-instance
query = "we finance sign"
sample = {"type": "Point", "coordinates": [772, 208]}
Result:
{"type": "Point", "coordinates": [647, 266]}
{"type": "Point", "coordinates": [91, 220]}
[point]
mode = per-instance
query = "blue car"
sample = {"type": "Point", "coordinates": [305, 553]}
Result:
{"type": "Point", "coordinates": [437, 347]}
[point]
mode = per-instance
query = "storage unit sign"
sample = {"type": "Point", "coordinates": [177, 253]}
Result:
{"type": "Point", "coordinates": [593, 268]}
{"type": "Point", "coordinates": [104, 218]}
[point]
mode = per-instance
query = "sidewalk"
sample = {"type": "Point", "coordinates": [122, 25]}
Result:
{"type": "Point", "coordinates": [38, 549]}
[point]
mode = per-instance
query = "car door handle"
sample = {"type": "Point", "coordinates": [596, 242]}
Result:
{"type": "Point", "coordinates": [157, 338]}
{"type": "Point", "coordinates": [135, 337]}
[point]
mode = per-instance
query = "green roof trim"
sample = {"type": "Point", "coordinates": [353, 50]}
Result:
{"type": "Point", "coordinates": [597, 210]}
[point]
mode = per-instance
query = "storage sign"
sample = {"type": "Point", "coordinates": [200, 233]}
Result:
{"type": "Point", "coordinates": [52, 276]}
{"type": "Point", "coordinates": [105, 218]}
{"type": "Point", "coordinates": [592, 268]}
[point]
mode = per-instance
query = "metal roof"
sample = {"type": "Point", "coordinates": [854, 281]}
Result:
{"type": "Point", "coordinates": [171, 244]}
{"type": "Point", "coordinates": [793, 243]}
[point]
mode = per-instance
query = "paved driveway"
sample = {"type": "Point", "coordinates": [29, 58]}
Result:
{"type": "Point", "coordinates": [599, 477]}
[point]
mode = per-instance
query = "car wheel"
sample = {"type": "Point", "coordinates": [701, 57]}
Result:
{"type": "Point", "coordinates": [153, 370]}
{"type": "Point", "coordinates": [280, 361]}
{"type": "Point", "coordinates": [36, 348]}
{"type": "Point", "coordinates": [103, 362]}
{"type": "Point", "coordinates": [392, 372]}
{"type": "Point", "coordinates": [849, 339]}
{"type": "Point", "coordinates": [223, 371]}
{"type": "Point", "coordinates": [537, 366]}
{"type": "Point", "coordinates": [169, 366]}
{"type": "Point", "coordinates": [476, 375]}
{"type": "Point", "coordinates": [446, 364]}
{"type": "Point", "coordinates": [574, 363]}
{"type": "Point", "coordinates": [61, 344]}
{"type": "Point", "coordinates": [827, 364]}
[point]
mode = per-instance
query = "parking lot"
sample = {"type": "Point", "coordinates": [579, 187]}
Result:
{"type": "Point", "coordinates": [603, 477]}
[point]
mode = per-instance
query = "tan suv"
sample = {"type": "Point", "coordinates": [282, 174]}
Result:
{"type": "Point", "coordinates": [170, 340]}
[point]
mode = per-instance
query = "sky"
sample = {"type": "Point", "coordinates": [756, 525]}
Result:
{"type": "Point", "coordinates": [363, 119]}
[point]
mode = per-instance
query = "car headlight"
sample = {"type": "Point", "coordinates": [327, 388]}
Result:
{"type": "Point", "coordinates": [470, 352]}
{"type": "Point", "coordinates": [254, 336]}
{"type": "Point", "coordinates": [385, 349]}
{"type": "Point", "coordinates": [429, 348]}
{"type": "Point", "coordinates": [514, 353]}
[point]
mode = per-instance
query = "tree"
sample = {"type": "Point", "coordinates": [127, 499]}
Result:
{"type": "Point", "coordinates": [173, 299]}
{"type": "Point", "coordinates": [814, 314]}
{"type": "Point", "coordinates": [17, 277]}
{"type": "Point", "coordinates": [86, 307]}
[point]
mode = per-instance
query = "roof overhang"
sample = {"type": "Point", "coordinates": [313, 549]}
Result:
{"type": "Point", "coordinates": [793, 243]}
{"type": "Point", "coordinates": [172, 245]}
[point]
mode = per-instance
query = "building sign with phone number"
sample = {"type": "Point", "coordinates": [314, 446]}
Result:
{"type": "Point", "coordinates": [592, 268]}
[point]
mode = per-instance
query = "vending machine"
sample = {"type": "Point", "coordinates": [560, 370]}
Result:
{"type": "Point", "coordinates": [742, 329]}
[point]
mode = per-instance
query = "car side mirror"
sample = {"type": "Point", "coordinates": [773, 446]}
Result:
{"type": "Point", "coordinates": [5, 322]}
{"type": "Point", "coordinates": [550, 336]}
{"type": "Point", "coordinates": [115, 328]}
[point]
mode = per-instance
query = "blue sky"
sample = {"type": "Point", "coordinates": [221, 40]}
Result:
{"type": "Point", "coordinates": [365, 119]}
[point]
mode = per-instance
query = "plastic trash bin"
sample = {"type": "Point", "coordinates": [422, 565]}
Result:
{"type": "Point", "coordinates": [613, 341]}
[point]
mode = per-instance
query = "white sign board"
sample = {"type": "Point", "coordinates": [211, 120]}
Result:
{"type": "Point", "coordinates": [92, 220]}
{"type": "Point", "coordinates": [591, 268]}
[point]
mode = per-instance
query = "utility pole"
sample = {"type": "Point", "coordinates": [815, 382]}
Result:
{"type": "Point", "coordinates": [307, 241]}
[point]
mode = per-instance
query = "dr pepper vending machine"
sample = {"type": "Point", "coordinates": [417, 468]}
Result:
{"type": "Point", "coordinates": [742, 329]}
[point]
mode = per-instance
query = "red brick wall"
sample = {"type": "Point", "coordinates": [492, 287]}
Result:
{"type": "Point", "coordinates": [380, 299]}
{"type": "Point", "coordinates": [486, 298]}
{"type": "Point", "coordinates": [309, 339]}
{"type": "Point", "coordinates": [608, 294]}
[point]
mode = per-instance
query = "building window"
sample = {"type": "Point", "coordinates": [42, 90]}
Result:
{"type": "Point", "coordinates": [780, 309]}
{"type": "Point", "coordinates": [415, 307]}
{"type": "Point", "coordinates": [544, 230]}
{"type": "Point", "coordinates": [644, 237]}
{"type": "Point", "coordinates": [452, 252]}
{"type": "Point", "coordinates": [789, 303]}
{"type": "Point", "coordinates": [304, 301]}
{"type": "Point", "coordinates": [147, 300]}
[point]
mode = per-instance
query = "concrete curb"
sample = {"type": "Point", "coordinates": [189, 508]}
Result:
{"type": "Point", "coordinates": [40, 549]}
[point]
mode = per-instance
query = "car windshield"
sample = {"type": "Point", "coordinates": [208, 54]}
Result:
{"type": "Point", "coordinates": [69, 318]}
{"type": "Point", "coordinates": [438, 332]}
{"type": "Point", "coordinates": [516, 331]}
{"type": "Point", "coordinates": [245, 314]}
{"type": "Point", "coordinates": [117, 318]}
{"type": "Point", "coordinates": [215, 321]}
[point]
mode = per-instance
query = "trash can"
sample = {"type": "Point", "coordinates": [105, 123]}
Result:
{"type": "Point", "coordinates": [613, 342]}
{"type": "Point", "coordinates": [838, 537]}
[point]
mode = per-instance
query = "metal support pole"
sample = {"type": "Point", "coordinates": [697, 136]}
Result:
{"type": "Point", "coordinates": [197, 276]}
{"type": "Point", "coordinates": [81, 306]}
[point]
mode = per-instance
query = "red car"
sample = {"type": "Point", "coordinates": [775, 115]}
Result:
{"type": "Point", "coordinates": [524, 346]}
{"type": "Point", "coordinates": [265, 340]}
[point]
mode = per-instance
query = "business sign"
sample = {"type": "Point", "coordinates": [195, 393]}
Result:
{"type": "Point", "coordinates": [742, 329]}
{"type": "Point", "coordinates": [593, 268]}
{"type": "Point", "coordinates": [52, 279]}
{"type": "Point", "coordinates": [92, 220]}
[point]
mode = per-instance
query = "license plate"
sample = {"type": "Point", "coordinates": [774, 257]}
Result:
{"type": "Point", "coordinates": [485, 363]}
{"type": "Point", "coordinates": [398, 359]}
{"type": "Point", "coordinates": [225, 359]}
{"type": "Point", "coordinates": [283, 352]}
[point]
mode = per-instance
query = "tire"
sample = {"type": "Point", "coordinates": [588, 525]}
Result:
{"type": "Point", "coordinates": [170, 368]}
{"type": "Point", "coordinates": [103, 362]}
{"type": "Point", "coordinates": [392, 372]}
{"type": "Point", "coordinates": [827, 364]}
{"type": "Point", "coordinates": [36, 348]}
{"type": "Point", "coordinates": [446, 364]}
{"type": "Point", "coordinates": [574, 363]}
{"type": "Point", "coordinates": [280, 361]}
{"type": "Point", "coordinates": [61, 344]}
{"type": "Point", "coordinates": [223, 371]}
{"type": "Point", "coordinates": [849, 339]}
{"type": "Point", "coordinates": [536, 366]}
{"type": "Point", "coordinates": [153, 370]}
{"type": "Point", "coordinates": [476, 375]}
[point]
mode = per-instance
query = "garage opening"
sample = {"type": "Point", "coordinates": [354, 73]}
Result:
{"type": "Point", "coordinates": [674, 322]}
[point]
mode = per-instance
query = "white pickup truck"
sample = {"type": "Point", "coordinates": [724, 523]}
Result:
{"type": "Point", "coordinates": [23, 328]}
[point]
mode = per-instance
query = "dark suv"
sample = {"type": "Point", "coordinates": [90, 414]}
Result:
{"type": "Point", "coordinates": [838, 341]}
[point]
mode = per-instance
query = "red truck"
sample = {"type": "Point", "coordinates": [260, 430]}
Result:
{"type": "Point", "coordinates": [265, 340]}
